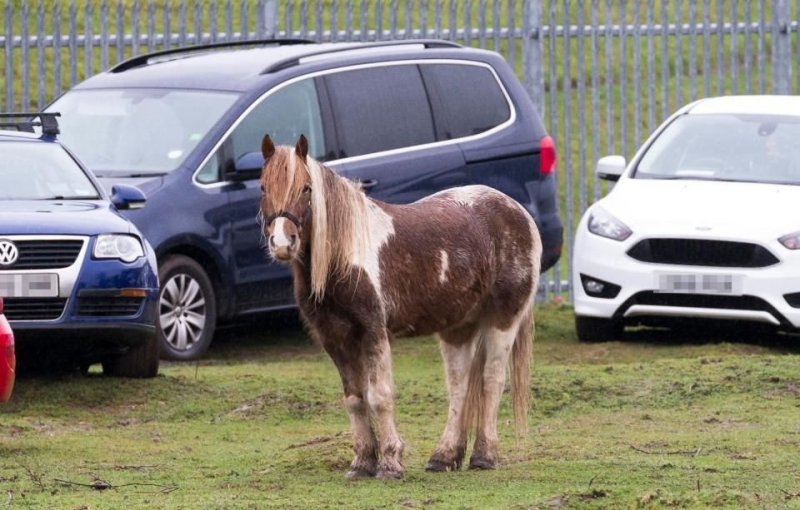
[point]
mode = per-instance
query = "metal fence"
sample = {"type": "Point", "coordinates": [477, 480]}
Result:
{"type": "Point", "coordinates": [603, 73]}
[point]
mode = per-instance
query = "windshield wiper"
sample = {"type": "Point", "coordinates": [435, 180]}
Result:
{"type": "Point", "coordinates": [73, 197]}
{"type": "Point", "coordinates": [145, 174]}
{"type": "Point", "coordinates": [116, 175]}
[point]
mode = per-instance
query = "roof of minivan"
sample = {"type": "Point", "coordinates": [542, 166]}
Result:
{"type": "Point", "coordinates": [231, 68]}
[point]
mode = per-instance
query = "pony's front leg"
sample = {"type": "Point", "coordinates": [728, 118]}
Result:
{"type": "Point", "coordinates": [364, 444]}
{"type": "Point", "coordinates": [381, 400]}
{"type": "Point", "coordinates": [351, 371]}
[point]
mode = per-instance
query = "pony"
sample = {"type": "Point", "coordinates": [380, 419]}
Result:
{"type": "Point", "coordinates": [462, 264]}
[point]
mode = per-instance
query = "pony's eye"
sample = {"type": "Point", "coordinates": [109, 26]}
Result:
{"type": "Point", "coordinates": [263, 189]}
{"type": "Point", "coordinates": [307, 188]}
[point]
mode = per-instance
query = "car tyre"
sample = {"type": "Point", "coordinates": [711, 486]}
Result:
{"type": "Point", "coordinates": [596, 329]}
{"type": "Point", "coordinates": [187, 311]}
{"type": "Point", "coordinates": [140, 361]}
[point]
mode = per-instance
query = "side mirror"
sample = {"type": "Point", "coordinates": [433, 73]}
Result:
{"type": "Point", "coordinates": [125, 196]}
{"type": "Point", "coordinates": [247, 167]}
{"type": "Point", "coordinates": [610, 168]}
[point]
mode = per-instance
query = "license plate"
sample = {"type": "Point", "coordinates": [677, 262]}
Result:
{"type": "Point", "coordinates": [693, 283]}
{"type": "Point", "coordinates": [29, 285]}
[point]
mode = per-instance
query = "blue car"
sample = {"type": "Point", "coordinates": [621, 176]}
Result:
{"type": "Point", "coordinates": [78, 280]}
{"type": "Point", "coordinates": [405, 118]}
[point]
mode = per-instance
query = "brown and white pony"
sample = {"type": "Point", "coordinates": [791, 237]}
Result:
{"type": "Point", "coordinates": [463, 263]}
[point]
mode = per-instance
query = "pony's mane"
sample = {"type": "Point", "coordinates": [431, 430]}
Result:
{"type": "Point", "coordinates": [340, 234]}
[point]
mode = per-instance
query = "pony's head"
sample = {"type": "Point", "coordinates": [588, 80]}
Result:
{"type": "Point", "coordinates": [304, 203]}
{"type": "Point", "coordinates": [286, 196]}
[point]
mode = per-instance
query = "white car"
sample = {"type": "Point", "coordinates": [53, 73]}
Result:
{"type": "Point", "coordinates": [703, 223]}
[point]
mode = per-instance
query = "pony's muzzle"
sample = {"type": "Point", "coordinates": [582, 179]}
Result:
{"type": "Point", "coordinates": [283, 241]}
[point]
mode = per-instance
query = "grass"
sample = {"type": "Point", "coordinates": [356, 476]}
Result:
{"type": "Point", "coordinates": [650, 422]}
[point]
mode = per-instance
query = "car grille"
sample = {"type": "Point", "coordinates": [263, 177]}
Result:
{"type": "Point", "coordinates": [702, 252]}
{"type": "Point", "coordinates": [712, 301]}
{"type": "Point", "coordinates": [109, 307]}
{"type": "Point", "coordinates": [699, 301]}
{"type": "Point", "coordinates": [46, 254]}
{"type": "Point", "coordinates": [37, 309]}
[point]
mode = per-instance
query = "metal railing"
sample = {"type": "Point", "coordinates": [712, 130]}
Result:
{"type": "Point", "coordinates": [603, 73]}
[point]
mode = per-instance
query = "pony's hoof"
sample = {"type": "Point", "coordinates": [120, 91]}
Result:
{"type": "Point", "coordinates": [356, 474]}
{"type": "Point", "coordinates": [481, 463]}
{"type": "Point", "coordinates": [387, 474]}
{"type": "Point", "coordinates": [440, 466]}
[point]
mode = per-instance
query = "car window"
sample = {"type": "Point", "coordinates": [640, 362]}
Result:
{"type": "Point", "coordinates": [284, 115]}
{"type": "Point", "coordinates": [41, 171]}
{"type": "Point", "coordinates": [748, 148]}
{"type": "Point", "coordinates": [379, 108]}
{"type": "Point", "coordinates": [124, 132]}
{"type": "Point", "coordinates": [466, 99]}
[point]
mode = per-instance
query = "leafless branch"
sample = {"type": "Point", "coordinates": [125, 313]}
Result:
{"type": "Point", "coordinates": [35, 477]}
{"type": "Point", "coordinates": [790, 495]}
{"type": "Point", "coordinates": [693, 453]}
{"type": "Point", "coordinates": [101, 485]}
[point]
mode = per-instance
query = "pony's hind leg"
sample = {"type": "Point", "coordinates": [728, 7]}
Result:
{"type": "Point", "coordinates": [381, 401]}
{"type": "Point", "coordinates": [497, 344]}
{"type": "Point", "coordinates": [458, 351]}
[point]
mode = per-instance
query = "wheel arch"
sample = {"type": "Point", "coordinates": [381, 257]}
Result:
{"type": "Point", "coordinates": [213, 268]}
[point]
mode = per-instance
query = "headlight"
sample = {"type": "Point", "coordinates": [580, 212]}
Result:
{"type": "Point", "coordinates": [605, 225]}
{"type": "Point", "coordinates": [791, 241]}
{"type": "Point", "coordinates": [118, 246]}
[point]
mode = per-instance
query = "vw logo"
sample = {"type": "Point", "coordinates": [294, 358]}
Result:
{"type": "Point", "coordinates": [8, 253]}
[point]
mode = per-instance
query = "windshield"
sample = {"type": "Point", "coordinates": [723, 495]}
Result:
{"type": "Point", "coordinates": [746, 148]}
{"type": "Point", "coordinates": [137, 132]}
{"type": "Point", "coordinates": [41, 171]}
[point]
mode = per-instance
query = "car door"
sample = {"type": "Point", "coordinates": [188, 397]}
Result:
{"type": "Point", "coordinates": [284, 113]}
{"type": "Point", "coordinates": [385, 133]}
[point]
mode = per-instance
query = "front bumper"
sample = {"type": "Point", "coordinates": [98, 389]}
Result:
{"type": "Point", "coordinates": [766, 294]}
{"type": "Point", "coordinates": [95, 298]}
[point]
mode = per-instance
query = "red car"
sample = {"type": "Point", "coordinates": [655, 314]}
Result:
{"type": "Point", "coordinates": [8, 360]}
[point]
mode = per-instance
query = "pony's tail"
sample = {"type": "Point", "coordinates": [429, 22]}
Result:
{"type": "Point", "coordinates": [521, 371]}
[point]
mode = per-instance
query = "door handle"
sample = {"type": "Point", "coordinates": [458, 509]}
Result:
{"type": "Point", "coordinates": [368, 184]}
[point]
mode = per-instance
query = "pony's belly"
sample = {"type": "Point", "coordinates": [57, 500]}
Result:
{"type": "Point", "coordinates": [426, 317]}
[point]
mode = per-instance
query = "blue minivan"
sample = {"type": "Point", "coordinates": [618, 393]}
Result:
{"type": "Point", "coordinates": [406, 118]}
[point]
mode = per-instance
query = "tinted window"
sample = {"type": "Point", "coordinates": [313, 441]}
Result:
{"type": "Point", "coordinates": [284, 115]}
{"type": "Point", "coordinates": [379, 109]}
{"type": "Point", "coordinates": [466, 99]}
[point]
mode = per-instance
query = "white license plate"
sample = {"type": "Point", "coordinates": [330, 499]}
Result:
{"type": "Point", "coordinates": [693, 283]}
{"type": "Point", "coordinates": [29, 285]}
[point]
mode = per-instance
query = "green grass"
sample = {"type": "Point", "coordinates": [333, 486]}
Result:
{"type": "Point", "coordinates": [651, 422]}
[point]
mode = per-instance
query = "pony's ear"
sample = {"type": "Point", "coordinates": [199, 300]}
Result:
{"type": "Point", "coordinates": [302, 147]}
{"type": "Point", "coordinates": [267, 147]}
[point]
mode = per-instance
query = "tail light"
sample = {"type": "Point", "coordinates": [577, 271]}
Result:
{"type": "Point", "coordinates": [547, 156]}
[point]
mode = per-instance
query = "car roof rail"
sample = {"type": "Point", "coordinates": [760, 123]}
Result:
{"type": "Point", "coordinates": [47, 121]}
{"type": "Point", "coordinates": [293, 61]}
{"type": "Point", "coordinates": [144, 59]}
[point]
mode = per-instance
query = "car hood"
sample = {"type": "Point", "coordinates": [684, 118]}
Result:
{"type": "Point", "coordinates": [72, 217]}
{"type": "Point", "coordinates": [732, 210]}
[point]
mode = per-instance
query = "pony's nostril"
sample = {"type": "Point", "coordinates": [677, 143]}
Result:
{"type": "Point", "coordinates": [272, 241]}
{"type": "Point", "coordinates": [292, 239]}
